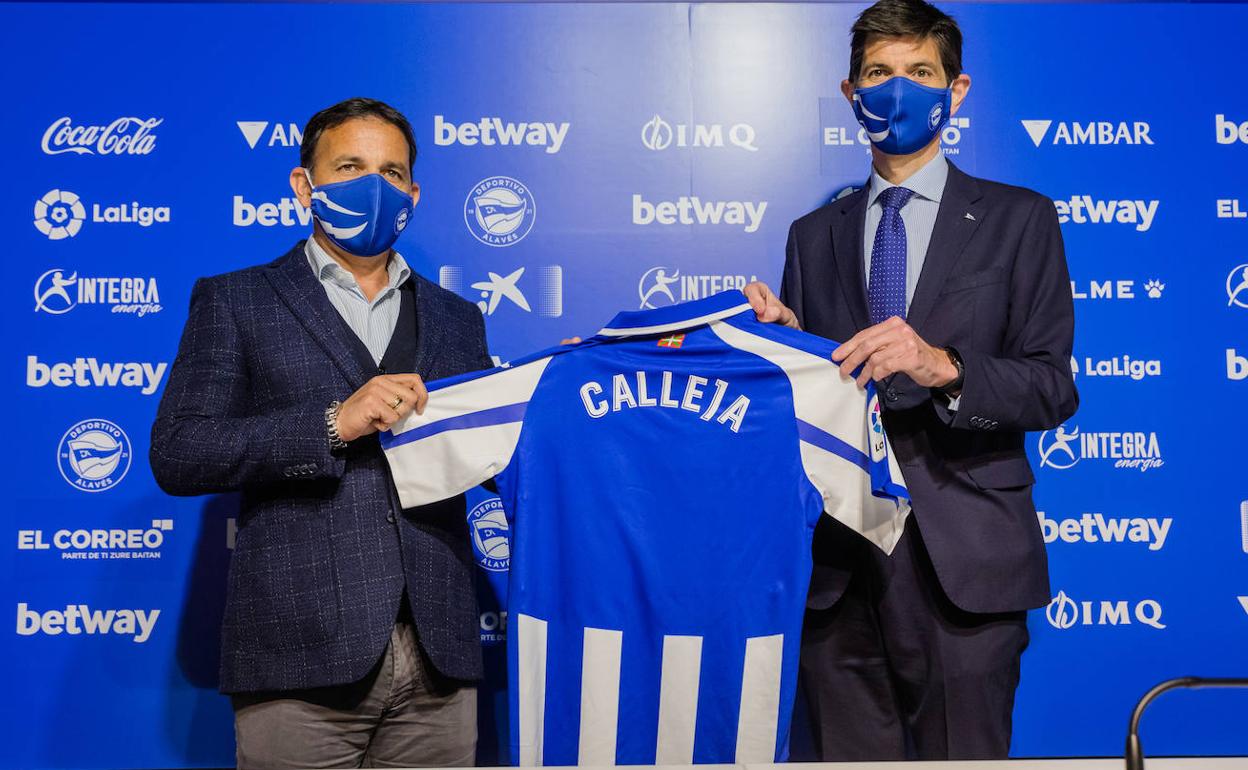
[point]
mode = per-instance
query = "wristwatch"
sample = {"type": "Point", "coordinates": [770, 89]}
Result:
{"type": "Point", "coordinates": [956, 359]}
{"type": "Point", "coordinates": [331, 426]}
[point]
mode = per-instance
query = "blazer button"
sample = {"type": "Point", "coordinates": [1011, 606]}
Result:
{"type": "Point", "coordinates": [381, 370]}
{"type": "Point", "coordinates": [891, 394]}
{"type": "Point", "coordinates": [390, 517]}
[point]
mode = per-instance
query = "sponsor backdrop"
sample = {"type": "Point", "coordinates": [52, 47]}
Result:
{"type": "Point", "coordinates": [577, 160]}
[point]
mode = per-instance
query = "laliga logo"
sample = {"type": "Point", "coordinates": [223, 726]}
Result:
{"type": "Point", "coordinates": [59, 214]}
{"type": "Point", "coordinates": [876, 426]}
{"type": "Point", "coordinates": [124, 136]}
{"type": "Point", "coordinates": [656, 282]}
{"type": "Point", "coordinates": [1065, 613]}
{"type": "Point", "coordinates": [1059, 444]}
{"type": "Point", "coordinates": [94, 455]}
{"type": "Point", "coordinates": [490, 535]}
{"type": "Point", "coordinates": [499, 211]}
{"type": "Point", "coordinates": [1237, 286]}
{"type": "Point", "coordinates": [658, 134]}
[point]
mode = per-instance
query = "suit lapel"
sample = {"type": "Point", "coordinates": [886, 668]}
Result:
{"type": "Point", "coordinates": [428, 330]}
{"type": "Point", "coordinates": [299, 290]}
{"type": "Point", "coordinates": [950, 235]}
{"type": "Point", "coordinates": [847, 253]}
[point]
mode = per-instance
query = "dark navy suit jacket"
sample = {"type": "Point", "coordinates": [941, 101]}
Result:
{"type": "Point", "coordinates": [995, 286]}
{"type": "Point", "coordinates": [323, 552]}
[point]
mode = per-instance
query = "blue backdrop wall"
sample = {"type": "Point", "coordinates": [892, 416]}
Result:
{"type": "Point", "coordinates": [150, 144]}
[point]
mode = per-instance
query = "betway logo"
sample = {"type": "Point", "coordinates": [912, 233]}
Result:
{"type": "Point", "coordinates": [88, 372]}
{"type": "Point", "coordinates": [1096, 528]}
{"type": "Point", "coordinates": [80, 619]}
{"type": "Point", "coordinates": [1095, 132]}
{"type": "Point", "coordinates": [1082, 209]}
{"type": "Point", "coordinates": [1236, 365]}
{"type": "Point", "coordinates": [493, 131]}
{"type": "Point", "coordinates": [692, 210]}
{"type": "Point", "coordinates": [1230, 132]}
{"type": "Point", "coordinates": [287, 211]}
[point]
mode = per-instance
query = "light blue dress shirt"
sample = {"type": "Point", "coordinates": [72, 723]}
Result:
{"type": "Point", "coordinates": [919, 215]}
{"type": "Point", "coordinates": [373, 322]}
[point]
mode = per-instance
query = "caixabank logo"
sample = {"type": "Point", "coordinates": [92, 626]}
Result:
{"type": "Point", "coordinates": [94, 455]}
{"type": "Point", "coordinates": [59, 214]}
{"type": "Point", "coordinates": [1064, 447]}
{"type": "Point", "coordinates": [1065, 612]}
{"type": "Point", "coordinates": [544, 284]}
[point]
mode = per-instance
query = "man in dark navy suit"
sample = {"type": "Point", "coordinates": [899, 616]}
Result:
{"type": "Point", "coordinates": [351, 631]}
{"type": "Point", "coordinates": [951, 292]}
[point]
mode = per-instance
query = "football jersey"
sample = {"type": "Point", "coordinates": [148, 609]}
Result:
{"type": "Point", "coordinates": [662, 481]}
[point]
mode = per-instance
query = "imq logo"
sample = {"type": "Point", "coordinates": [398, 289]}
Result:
{"type": "Point", "coordinates": [657, 134]}
{"type": "Point", "coordinates": [1065, 613]}
{"type": "Point", "coordinates": [257, 132]}
{"type": "Point", "coordinates": [1098, 132]}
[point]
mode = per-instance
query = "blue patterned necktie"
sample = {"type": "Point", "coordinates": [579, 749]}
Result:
{"type": "Point", "coordinates": [886, 287]}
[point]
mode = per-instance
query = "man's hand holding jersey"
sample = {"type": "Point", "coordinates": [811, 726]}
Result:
{"type": "Point", "coordinates": [887, 348]}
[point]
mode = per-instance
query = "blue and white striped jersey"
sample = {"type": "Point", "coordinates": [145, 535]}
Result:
{"type": "Point", "coordinates": [662, 481]}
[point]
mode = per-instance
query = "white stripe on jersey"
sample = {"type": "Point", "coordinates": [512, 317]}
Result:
{"type": "Point", "coordinates": [600, 696]}
{"type": "Point", "coordinates": [531, 638]}
{"type": "Point", "coordinates": [678, 699]}
{"type": "Point", "coordinates": [760, 700]}
{"type": "Point", "coordinates": [845, 488]}
{"type": "Point", "coordinates": [454, 451]}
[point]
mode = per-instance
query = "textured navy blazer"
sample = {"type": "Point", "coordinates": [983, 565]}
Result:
{"type": "Point", "coordinates": [995, 286]}
{"type": "Point", "coordinates": [323, 552]}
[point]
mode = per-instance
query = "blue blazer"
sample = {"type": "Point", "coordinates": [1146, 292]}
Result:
{"type": "Point", "coordinates": [994, 286]}
{"type": "Point", "coordinates": [323, 552]}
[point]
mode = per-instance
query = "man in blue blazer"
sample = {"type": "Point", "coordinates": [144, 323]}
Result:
{"type": "Point", "coordinates": [351, 630]}
{"type": "Point", "coordinates": [953, 293]}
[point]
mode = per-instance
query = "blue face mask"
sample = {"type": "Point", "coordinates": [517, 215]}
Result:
{"type": "Point", "coordinates": [364, 216]}
{"type": "Point", "coordinates": [900, 116]}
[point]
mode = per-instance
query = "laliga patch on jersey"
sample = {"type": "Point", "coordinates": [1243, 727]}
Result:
{"type": "Point", "coordinates": [875, 424]}
{"type": "Point", "coordinates": [674, 341]}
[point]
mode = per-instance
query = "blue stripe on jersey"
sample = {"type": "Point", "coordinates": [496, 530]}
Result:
{"type": "Point", "coordinates": [632, 319]}
{"type": "Point", "coordinates": [496, 416]}
{"type": "Point", "coordinates": [824, 440]}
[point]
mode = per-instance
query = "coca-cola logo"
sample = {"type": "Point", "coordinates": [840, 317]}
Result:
{"type": "Point", "coordinates": [124, 136]}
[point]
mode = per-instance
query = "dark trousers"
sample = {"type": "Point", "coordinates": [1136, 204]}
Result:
{"type": "Point", "coordinates": [893, 670]}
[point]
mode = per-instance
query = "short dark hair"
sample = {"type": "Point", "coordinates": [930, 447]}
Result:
{"type": "Point", "coordinates": [907, 18]}
{"type": "Point", "coordinates": [357, 107]}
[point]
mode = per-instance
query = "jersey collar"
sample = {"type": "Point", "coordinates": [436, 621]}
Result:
{"type": "Point", "coordinates": [686, 315]}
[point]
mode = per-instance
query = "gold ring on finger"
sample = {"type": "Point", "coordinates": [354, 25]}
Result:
{"type": "Point", "coordinates": [398, 400]}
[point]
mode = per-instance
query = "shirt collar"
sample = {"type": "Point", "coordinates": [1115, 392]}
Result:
{"type": "Point", "coordinates": [326, 269]}
{"type": "Point", "coordinates": [928, 182]}
{"type": "Point", "coordinates": [686, 315]}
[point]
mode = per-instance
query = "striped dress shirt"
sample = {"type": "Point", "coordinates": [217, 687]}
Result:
{"type": "Point", "coordinates": [373, 322]}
